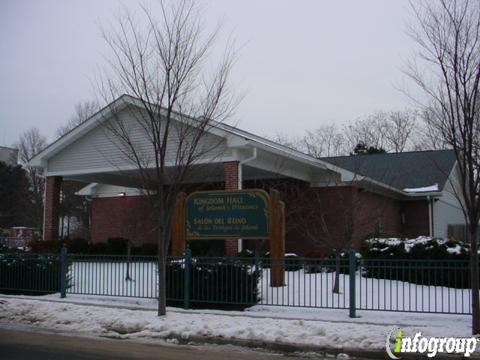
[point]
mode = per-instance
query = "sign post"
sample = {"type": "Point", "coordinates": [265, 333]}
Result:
{"type": "Point", "coordinates": [178, 226]}
{"type": "Point", "coordinates": [277, 239]}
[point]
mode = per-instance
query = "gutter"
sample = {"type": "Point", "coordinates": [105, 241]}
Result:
{"type": "Point", "coordinates": [328, 166]}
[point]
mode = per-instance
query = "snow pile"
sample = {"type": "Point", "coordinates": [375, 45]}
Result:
{"type": "Point", "coordinates": [135, 324]}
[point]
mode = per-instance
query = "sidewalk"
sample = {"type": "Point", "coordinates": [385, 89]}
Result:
{"type": "Point", "coordinates": [282, 329]}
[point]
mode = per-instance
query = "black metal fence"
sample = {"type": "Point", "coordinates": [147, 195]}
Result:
{"type": "Point", "coordinates": [434, 286]}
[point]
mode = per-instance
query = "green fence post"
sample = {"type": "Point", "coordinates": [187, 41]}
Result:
{"type": "Point", "coordinates": [63, 272]}
{"type": "Point", "coordinates": [352, 264]}
{"type": "Point", "coordinates": [187, 256]}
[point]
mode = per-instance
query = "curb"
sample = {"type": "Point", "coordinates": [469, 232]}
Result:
{"type": "Point", "coordinates": [286, 348]}
{"type": "Point", "coordinates": [289, 348]}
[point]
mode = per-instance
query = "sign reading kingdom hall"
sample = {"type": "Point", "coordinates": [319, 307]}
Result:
{"type": "Point", "coordinates": [227, 214]}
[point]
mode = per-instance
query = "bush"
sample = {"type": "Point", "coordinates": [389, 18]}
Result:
{"type": "Point", "coordinates": [225, 280]}
{"type": "Point", "coordinates": [45, 247]}
{"type": "Point", "coordinates": [421, 248]}
{"type": "Point", "coordinates": [245, 254]}
{"type": "Point", "coordinates": [293, 262]}
{"type": "Point", "coordinates": [392, 259]}
{"type": "Point", "coordinates": [113, 246]}
{"type": "Point", "coordinates": [77, 246]}
{"type": "Point", "coordinates": [145, 249]}
{"type": "Point", "coordinates": [211, 248]}
{"type": "Point", "coordinates": [329, 264]}
{"type": "Point", "coordinates": [117, 246]}
{"type": "Point", "coordinates": [99, 248]}
{"type": "Point", "coordinates": [29, 274]}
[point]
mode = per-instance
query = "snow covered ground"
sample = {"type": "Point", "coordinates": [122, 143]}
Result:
{"type": "Point", "coordinates": [315, 290]}
{"type": "Point", "coordinates": [109, 278]}
{"type": "Point", "coordinates": [319, 327]}
{"type": "Point", "coordinates": [302, 289]}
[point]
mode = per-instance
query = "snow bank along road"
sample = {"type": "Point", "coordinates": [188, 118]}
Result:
{"type": "Point", "coordinates": [144, 324]}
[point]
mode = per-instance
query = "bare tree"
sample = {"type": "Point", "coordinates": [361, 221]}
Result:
{"type": "Point", "coordinates": [336, 215]}
{"type": "Point", "coordinates": [398, 130]}
{"type": "Point", "coordinates": [392, 131]}
{"type": "Point", "coordinates": [290, 141]}
{"type": "Point", "coordinates": [30, 143]}
{"type": "Point", "coordinates": [162, 64]}
{"type": "Point", "coordinates": [326, 140]}
{"type": "Point", "coordinates": [83, 111]}
{"type": "Point", "coordinates": [366, 131]}
{"type": "Point", "coordinates": [428, 137]}
{"type": "Point", "coordinates": [447, 69]}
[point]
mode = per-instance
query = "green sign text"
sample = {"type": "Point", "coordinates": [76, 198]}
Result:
{"type": "Point", "coordinates": [227, 214]}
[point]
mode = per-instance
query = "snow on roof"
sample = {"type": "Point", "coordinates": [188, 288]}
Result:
{"type": "Point", "coordinates": [430, 188]}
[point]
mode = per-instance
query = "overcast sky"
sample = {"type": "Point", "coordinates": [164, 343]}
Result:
{"type": "Point", "coordinates": [301, 64]}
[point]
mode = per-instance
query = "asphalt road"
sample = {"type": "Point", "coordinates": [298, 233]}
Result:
{"type": "Point", "coordinates": [16, 345]}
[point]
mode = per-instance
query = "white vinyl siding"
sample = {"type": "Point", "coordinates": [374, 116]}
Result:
{"type": "Point", "coordinates": [446, 211]}
{"type": "Point", "coordinates": [100, 149]}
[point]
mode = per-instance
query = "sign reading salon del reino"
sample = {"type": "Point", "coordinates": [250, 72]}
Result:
{"type": "Point", "coordinates": [227, 214]}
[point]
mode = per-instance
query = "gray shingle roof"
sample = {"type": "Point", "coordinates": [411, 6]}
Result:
{"type": "Point", "coordinates": [401, 170]}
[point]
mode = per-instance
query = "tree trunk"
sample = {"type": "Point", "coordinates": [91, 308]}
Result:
{"type": "Point", "coordinates": [162, 299]}
{"type": "Point", "coordinates": [336, 284]}
{"type": "Point", "coordinates": [474, 276]}
{"type": "Point", "coordinates": [129, 252]}
{"type": "Point", "coordinates": [61, 227]}
{"type": "Point", "coordinates": [68, 226]}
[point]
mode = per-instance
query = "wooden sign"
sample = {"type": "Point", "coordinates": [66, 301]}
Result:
{"type": "Point", "coordinates": [245, 214]}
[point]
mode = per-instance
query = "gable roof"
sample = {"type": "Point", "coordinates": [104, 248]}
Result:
{"type": "Point", "coordinates": [406, 170]}
{"type": "Point", "coordinates": [376, 169]}
{"type": "Point", "coordinates": [236, 136]}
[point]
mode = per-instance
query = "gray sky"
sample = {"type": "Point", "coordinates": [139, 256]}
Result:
{"type": "Point", "coordinates": [302, 63]}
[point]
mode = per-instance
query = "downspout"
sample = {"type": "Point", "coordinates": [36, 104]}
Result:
{"type": "Point", "coordinates": [240, 183]}
{"type": "Point", "coordinates": [430, 215]}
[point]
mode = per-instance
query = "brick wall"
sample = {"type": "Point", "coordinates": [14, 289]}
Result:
{"type": "Point", "coordinates": [305, 208]}
{"type": "Point", "coordinates": [128, 217]}
{"type": "Point", "coordinates": [231, 175]}
{"type": "Point", "coordinates": [376, 214]}
{"type": "Point", "coordinates": [416, 218]}
{"type": "Point", "coordinates": [111, 217]}
{"type": "Point", "coordinates": [53, 185]}
{"type": "Point", "coordinates": [335, 216]}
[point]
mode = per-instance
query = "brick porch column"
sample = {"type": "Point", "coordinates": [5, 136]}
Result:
{"type": "Point", "coordinates": [231, 183]}
{"type": "Point", "coordinates": [53, 185]}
